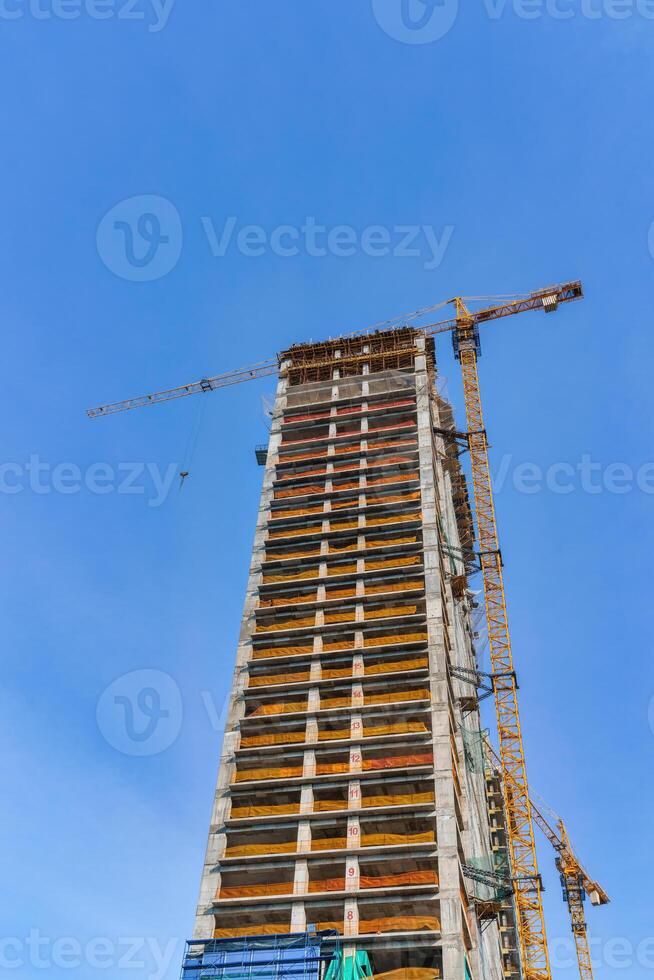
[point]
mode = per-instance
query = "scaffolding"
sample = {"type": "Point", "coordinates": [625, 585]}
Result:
{"type": "Point", "coordinates": [299, 956]}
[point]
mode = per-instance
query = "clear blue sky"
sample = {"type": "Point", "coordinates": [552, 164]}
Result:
{"type": "Point", "coordinates": [524, 146]}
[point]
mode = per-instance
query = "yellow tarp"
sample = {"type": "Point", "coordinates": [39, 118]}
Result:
{"type": "Point", "coordinates": [391, 611]}
{"type": "Point", "coordinates": [394, 696]}
{"type": "Point", "coordinates": [326, 768]}
{"type": "Point", "coordinates": [342, 526]}
{"type": "Point", "coordinates": [399, 562]}
{"type": "Point", "coordinates": [342, 569]}
{"type": "Point", "coordinates": [255, 891]}
{"type": "Point", "coordinates": [288, 533]}
{"type": "Point", "coordinates": [254, 929]}
{"type": "Point", "coordinates": [398, 761]}
{"type": "Point", "coordinates": [394, 587]}
{"type": "Point", "coordinates": [265, 680]}
{"type": "Point", "coordinates": [246, 775]}
{"type": "Point", "coordinates": [284, 738]}
{"type": "Point", "coordinates": [247, 850]}
{"type": "Point", "coordinates": [389, 542]}
{"type": "Point", "coordinates": [410, 973]}
{"type": "Point", "coordinates": [397, 665]}
{"type": "Point", "coordinates": [386, 640]}
{"type": "Point", "coordinates": [403, 878]}
{"type": "Point", "coordinates": [401, 728]}
{"type": "Point", "coordinates": [341, 593]}
{"type": "Point", "coordinates": [288, 624]}
{"type": "Point", "coordinates": [399, 799]}
{"type": "Point", "coordinates": [281, 556]}
{"type": "Point", "coordinates": [238, 813]}
{"type": "Point", "coordinates": [406, 923]}
{"type": "Point", "coordinates": [387, 840]}
{"type": "Point", "coordinates": [264, 652]}
{"type": "Point", "coordinates": [285, 708]}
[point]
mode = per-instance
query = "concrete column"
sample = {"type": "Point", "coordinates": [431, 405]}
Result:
{"type": "Point", "coordinates": [304, 836]}
{"type": "Point", "coordinates": [352, 874]}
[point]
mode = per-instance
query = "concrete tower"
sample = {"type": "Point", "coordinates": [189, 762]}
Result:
{"type": "Point", "coordinates": [351, 789]}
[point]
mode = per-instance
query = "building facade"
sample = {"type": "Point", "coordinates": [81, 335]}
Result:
{"type": "Point", "coordinates": [351, 793]}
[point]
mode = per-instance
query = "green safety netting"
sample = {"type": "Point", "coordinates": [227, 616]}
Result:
{"type": "Point", "coordinates": [473, 749]}
{"type": "Point", "coordinates": [356, 967]}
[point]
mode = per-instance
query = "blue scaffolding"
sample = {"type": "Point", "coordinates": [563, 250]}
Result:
{"type": "Point", "coordinates": [298, 956]}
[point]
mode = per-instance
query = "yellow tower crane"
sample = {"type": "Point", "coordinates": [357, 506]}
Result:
{"type": "Point", "coordinates": [575, 881]}
{"type": "Point", "coordinates": [464, 327]}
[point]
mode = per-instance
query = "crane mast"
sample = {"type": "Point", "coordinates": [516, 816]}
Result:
{"type": "Point", "coordinates": [532, 936]}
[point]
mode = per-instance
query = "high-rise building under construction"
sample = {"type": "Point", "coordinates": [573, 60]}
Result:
{"type": "Point", "coordinates": [353, 793]}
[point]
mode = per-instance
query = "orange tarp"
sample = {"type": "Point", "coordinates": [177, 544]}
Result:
{"type": "Point", "coordinates": [326, 736]}
{"type": "Point", "coordinates": [393, 696]}
{"type": "Point", "coordinates": [398, 799]}
{"type": "Point", "coordinates": [399, 562]}
{"type": "Point", "coordinates": [287, 624]}
{"type": "Point", "coordinates": [301, 491]}
{"type": "Point", "coordinates": [344, 617]}
{"type": "Point", "coordinates": [278, 515]}
{"type": "Point", "coordinates": [328, 885]}
{"type": "Point", "coordinates": [274, 535]}
{"type": "Point", "coordinates": [321, 806]}
{"type": "Point", "coordinates": [338, 645]}
{"type": "Point", "coordinates": [406, 923]}
{"type": "Point", "coordinates": [394, 587]}
{"type": "Point", "coordinates": [389, 443]}
{"type": "Point", "coordinates": [337, 672]}
{"type": "Point", "coordinates": [346, 593]}
{"type": "Point", "coordinates": [295, 577]}
{"type": "Point", "coordinates": [338, 926]}
{"type": "Point", "coordinates": [348, 485]}
{"type": "Point", "coordinates": [325, 768]}
{"type": "Point", "coordinates": [387, 542]}
{"type": "Point", "coordinates": [404, 878]}
{"type": "Point", "coordinates": [402, 638]}
{"type": "Point", "coordinates": [336, 702]}
{"type": "Point", "coordinates": [343, 569]}
{"type": "Point", "coordinates": [245, 775]}
{"type": "Point", "coordinates": [394, 498]}
{"type": "Point", "coordinates": [329, 844]}
{"type": "Point", "coordinates": [391, 611]}
{"type": "Point", "coordinates": [398, 761]}
{"type": "Point", "coordinates": [390, 668]}
{"type": "Point", "coordinates": [396, 478]}
{"type": "Point", "coordinates": [284, 738]}
{"type": "Point", "coordinates": [342, 526]}
{"type": "Point", "coordinates": [266, 680]}
{"type": "Point", "coordinates": [288, 600]}
{"type": "Point", "coordinates": [282, 556]}
{"type": "Point", "coordinates": [259, 929]}
{"type": "Point", "coordinates": [247, 850]}
{"type": "Point", "coordinates": [253, 891]}
{"type": "Point", "coordinates": [402, 728]}
{"type": "Point", "coordinates": [398, 519]}
{"type": "Point", "coordinates": [286, 708]}
{"type": "Point", "coordinates": [279, 651]}
{"type": "Point", "coordinates": [240, 812]}
{"type": "Point", "coordinates": [344, 504]}
{"type": "Point", "coordinates": [387, 840]}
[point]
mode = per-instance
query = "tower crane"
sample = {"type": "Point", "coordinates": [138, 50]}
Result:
{"type": "Point", "coordinates": [575, 881]}
{"type": "Point", "coordinates": [464, 326]}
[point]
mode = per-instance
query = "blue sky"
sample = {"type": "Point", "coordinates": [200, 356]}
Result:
{"type": "Point", "coordinates": [521, 141]}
